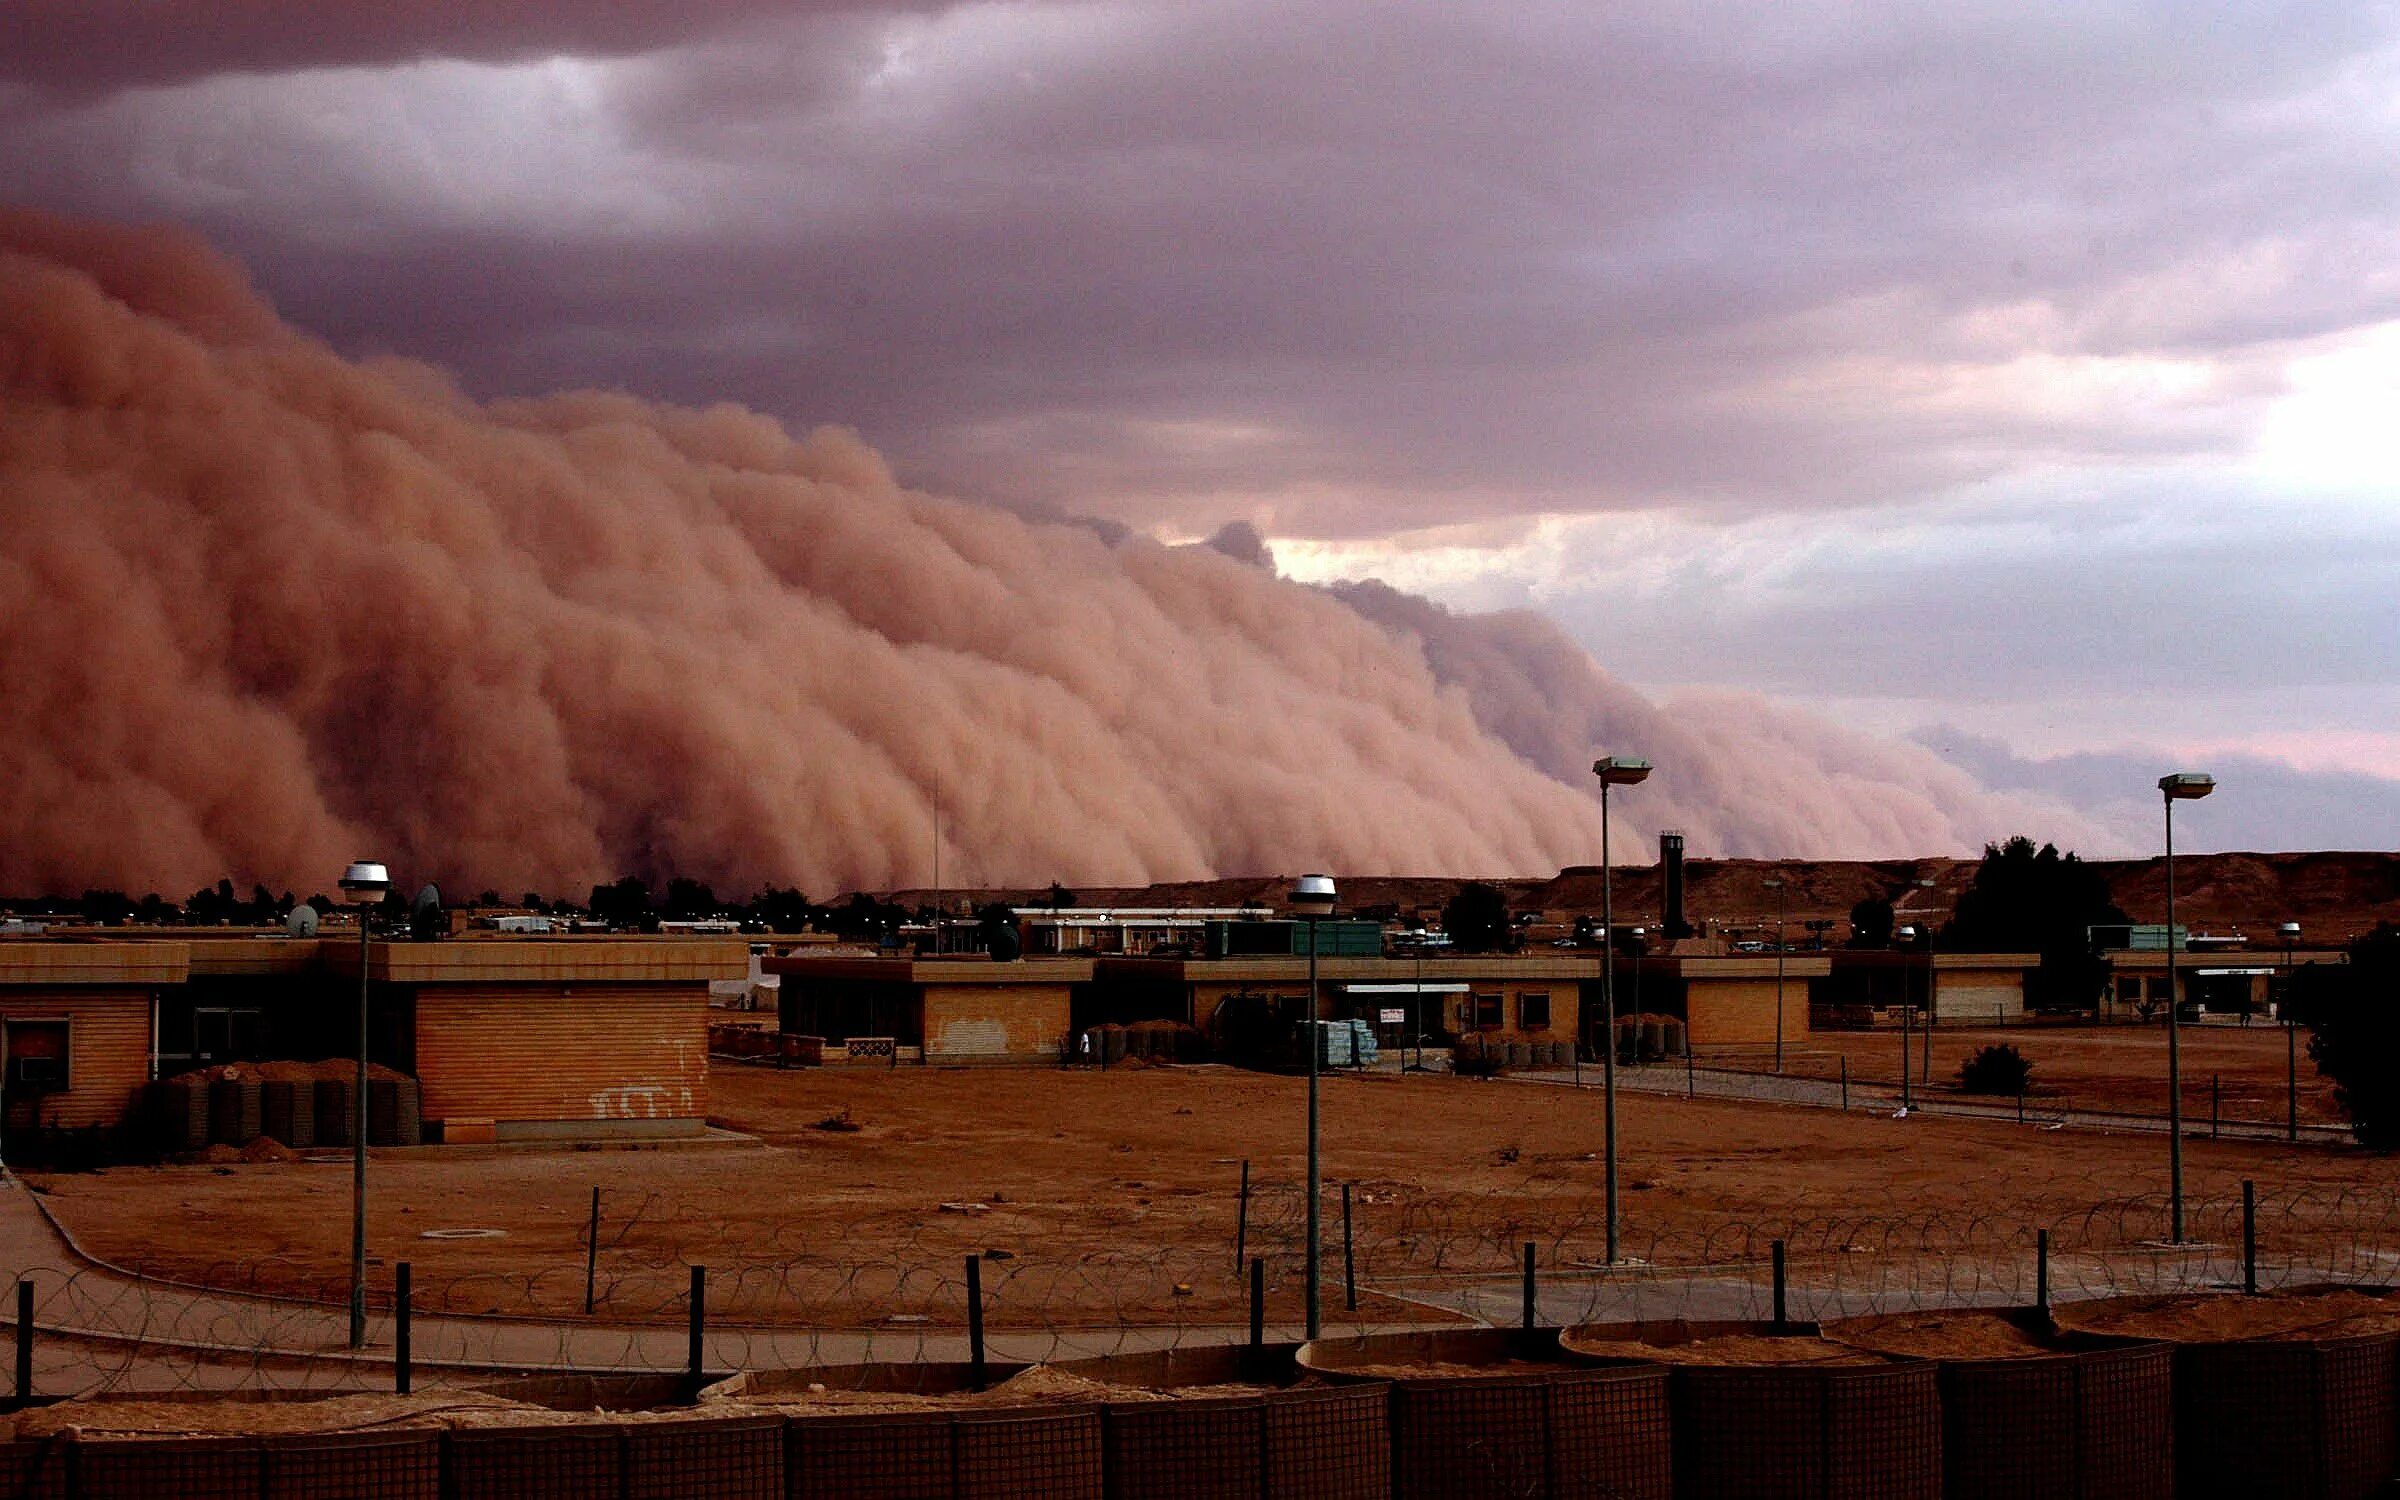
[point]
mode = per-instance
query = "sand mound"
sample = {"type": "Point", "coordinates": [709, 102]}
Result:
{"type": "Point", "coordinates": [2214, 1317]}
{"type": "Point", "coordinates": [1734, 1349]}
{"type": "Point", "coordinates": [1940, 1335]}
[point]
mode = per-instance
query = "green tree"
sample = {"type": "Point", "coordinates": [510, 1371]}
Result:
{"type": "Point", "coordinates": [2029, 900]}
{"type": "Point", "coordinates": [1477, 918]}
{"type": "Point", "coordinates": [2352, 1012]}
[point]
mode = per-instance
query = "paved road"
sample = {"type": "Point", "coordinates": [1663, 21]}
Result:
{"type": "Point", "coordinates": [102, 1328]}
{"type": "Point", "coordinates": [1829, 1093]}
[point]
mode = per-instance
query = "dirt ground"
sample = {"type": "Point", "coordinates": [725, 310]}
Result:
{"type": "Point", "coordinates": [2114, 1069]}
{"type": "Point", "coordinates": [1115, 1196]}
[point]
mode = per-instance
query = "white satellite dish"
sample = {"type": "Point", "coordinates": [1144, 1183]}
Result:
{"type": "Point", "coordinates": [302, 922]}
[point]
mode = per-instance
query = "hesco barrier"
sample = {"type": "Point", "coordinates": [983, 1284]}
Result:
{"type": "Point", "coordinates": [354, 1466]}
{"type": "Point", "coordinates": [287, 1111]}
{"type": "Point", "coordinates": [1572, 1429]}
{"type": "Point", "coordinates": [1794, 1432]}
{"type": "Point", "coordinates": [2093, 1421]}
{"type": "Point", "coordinates": [1315, 1443]}
{"type": "Point", "coordinates": [2306, 1419]}
{"type": "Point", "coordinates": [724, 1458]}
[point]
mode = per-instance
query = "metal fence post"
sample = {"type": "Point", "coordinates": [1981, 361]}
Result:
{"type": "Point", "coordinates": [1691, 1085]}
{"type": "Point", "coordinates": [975, 1321]}
{"type": "Point", "coordinates": [1777, 1251]}
{"type": "Point", "coordinates": [1529, 1284]}
{"type": "Point", "coordinates": [400, 1314]}
{"type": "Point", "coordinates": [699, 1311]}
{"type": "Point", "coordinates": [2249, 1238]}
{"type": "Point", "coordinates": [24, 1338]}
{"type": "Point", "coordinates": [1241, 1222]}
{"type": "Point", "coordinates": [1258, 1303]}
{"type": "Point", "coordinates": [1845, 1080]}
{"type": "Point", "coordinates": [1349, 1257]}
{"type": "Point", "coordinates": [2041, 1271]}
{"type": "Point", "coordinates": [2291, 1081]}
{"type": "Point", "coordinates": [591, 1253]}
{"type": "Point", "coordinates": [2214, 1106]}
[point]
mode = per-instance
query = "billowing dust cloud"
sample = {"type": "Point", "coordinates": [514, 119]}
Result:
{"type": "Point", "coordinates": [265, 609]}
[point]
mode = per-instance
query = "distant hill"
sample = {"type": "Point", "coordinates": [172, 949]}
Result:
{"type": "Point", "coordinates": [2333, 895]}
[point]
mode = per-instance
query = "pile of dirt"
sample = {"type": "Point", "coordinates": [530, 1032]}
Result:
{"type": "Point", "coordinates": [265, 1148]}
{"type": "Point", "coordinates": [1735, 1349]}
{"type": "Point", "coordinates": [1940, 1335]}
{"type": "Point", "coordinates": [107, 1417]}
{"type": "Point", "coordinates": [2216, 1317]}
{"type": "Point", "coordinates": [332, 1070]}
{"type": "Point", "coordinates": [1041, 1385]}
{"type": "Point", "coordinates": [1447, 1369]}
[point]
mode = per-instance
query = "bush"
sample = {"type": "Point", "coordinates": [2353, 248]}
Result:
{"type": "Point", "coordinates": [1474, 1060]}
{"type": "Point", "coordinates": [2354, 1026]}
{"type": "Point", "coordinates": [1997, 1069]}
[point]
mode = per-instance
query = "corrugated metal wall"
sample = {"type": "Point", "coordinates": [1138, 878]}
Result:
{"type": "Point", "coordinates": [110, 1035]}
{"type": "Point", "coordinates": [589, 1052]}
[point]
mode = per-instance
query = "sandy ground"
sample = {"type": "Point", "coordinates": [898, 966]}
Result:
{"type": "Point", "coordinates": [1112, 1197]}
{"type": "Point", "coordinates": [2112, 1068]}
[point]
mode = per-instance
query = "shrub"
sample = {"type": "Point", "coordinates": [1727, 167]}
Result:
{"type": "Point", "coordinates": [1997, 1069]}
{"type": "Point", "coordinates": [2354, 1026]}
{"type": "Point", "coordinates": [1474, 1060]}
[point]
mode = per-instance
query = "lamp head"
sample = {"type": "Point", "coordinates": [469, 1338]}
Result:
{"type": "Point", "coordinates": [2184, 786]}
{"type": "Point", "coordinates": [365, 882]}
{"type": "Point", "coordinates": [1312, 896]}
{"type": "Point", "coordinates": [2289, 930]}
{"type": "Point", "coordinates": [1620, 770]}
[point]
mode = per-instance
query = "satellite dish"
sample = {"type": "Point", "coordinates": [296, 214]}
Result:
{"type": "Point", "coordinates": [425, 919]}
{"type": "Point", "coordinates": [1007, 947]}
{"type": "Point", "coordinates": [302, 922]}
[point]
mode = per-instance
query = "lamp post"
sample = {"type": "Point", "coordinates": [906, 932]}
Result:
{"type": "Point", "coordinates": [363, 885]}
{"type": "Point", "coordinates": [2181, 786]}
{"type": "Point", "coordinates": [1932, 981]}
{"type": "Point", "coordinates": [2291, 1038]}
{"type": "Point", "coordinates": [1613, 770]}
{"type": "Point", "coordinates": [1312, 902]}
{"type": "Point", "coordinates": [1783, 903]}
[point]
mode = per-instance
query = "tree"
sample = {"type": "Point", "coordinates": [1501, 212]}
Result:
{"type": "Point", "coordinates": [1477, 918]}
{"type": "Point", "coordinates": [782, 911]}
{"type": "Point", "coordinates": [109, 908]}
{"type": "Point", "coordinates": [1871, 923]}
{"type": "Point", "coordinates": [2029, 900]}
{"type": "Point", "coordinates": [1060, 896]}
{"type": "Point", "coordinates": [996, 928]}
{"type": "Point", "coordinates": [2352, 1012]}
{"type": "Point", "coordinates": [625, 903]}
{"type": "Point", "coordinates": [689, 898]}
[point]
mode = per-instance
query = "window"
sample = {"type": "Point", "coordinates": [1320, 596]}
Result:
{"type": "Point", "coordinates": [1487, 1012]}
{"type": "Point", "coordinates": [38, 1056]}
{"type": "Point", "coordinates": [1533, 1010]}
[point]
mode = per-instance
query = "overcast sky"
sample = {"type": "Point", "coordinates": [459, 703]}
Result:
{"type": "Point", "coordinates": [2020, 379]}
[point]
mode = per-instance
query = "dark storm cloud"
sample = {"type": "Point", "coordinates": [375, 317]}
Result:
{"type": "Point", "coordinates": [79, 48]}
{"type": "Point", "coordinates": [1348, 268]}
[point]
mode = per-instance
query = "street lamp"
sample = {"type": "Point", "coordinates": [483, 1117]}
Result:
{"type": "Point", "coordinates": [1312, 902]}
{"type": "Point", "coordinates": [362, 885]}
{"type": "Point", "coordinates": [1613, 770]}
{"type": "Point", "coordinates": [1783, 904]}
{"type": "Point", "coordinates": [2181, 786]}
{"type": "Point", "coordinates": [1932, 980]}
{"type": "Point", "coordinates": [2291, 1038]}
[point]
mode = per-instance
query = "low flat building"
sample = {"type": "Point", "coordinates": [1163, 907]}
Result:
{"type": "Point", "coordinates": [931, 1010]}
{"type": "Point", "coordinates": [75, 1028]}
{"type": "Point", "coordinates": [538, 1037]}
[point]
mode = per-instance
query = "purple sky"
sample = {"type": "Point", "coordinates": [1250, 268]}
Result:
{"type": "Point", "coordinates": [2019, 379]}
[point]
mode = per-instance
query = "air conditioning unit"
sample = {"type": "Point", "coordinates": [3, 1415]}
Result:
{"type": "Point", "coordinates": [36, 1073]}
